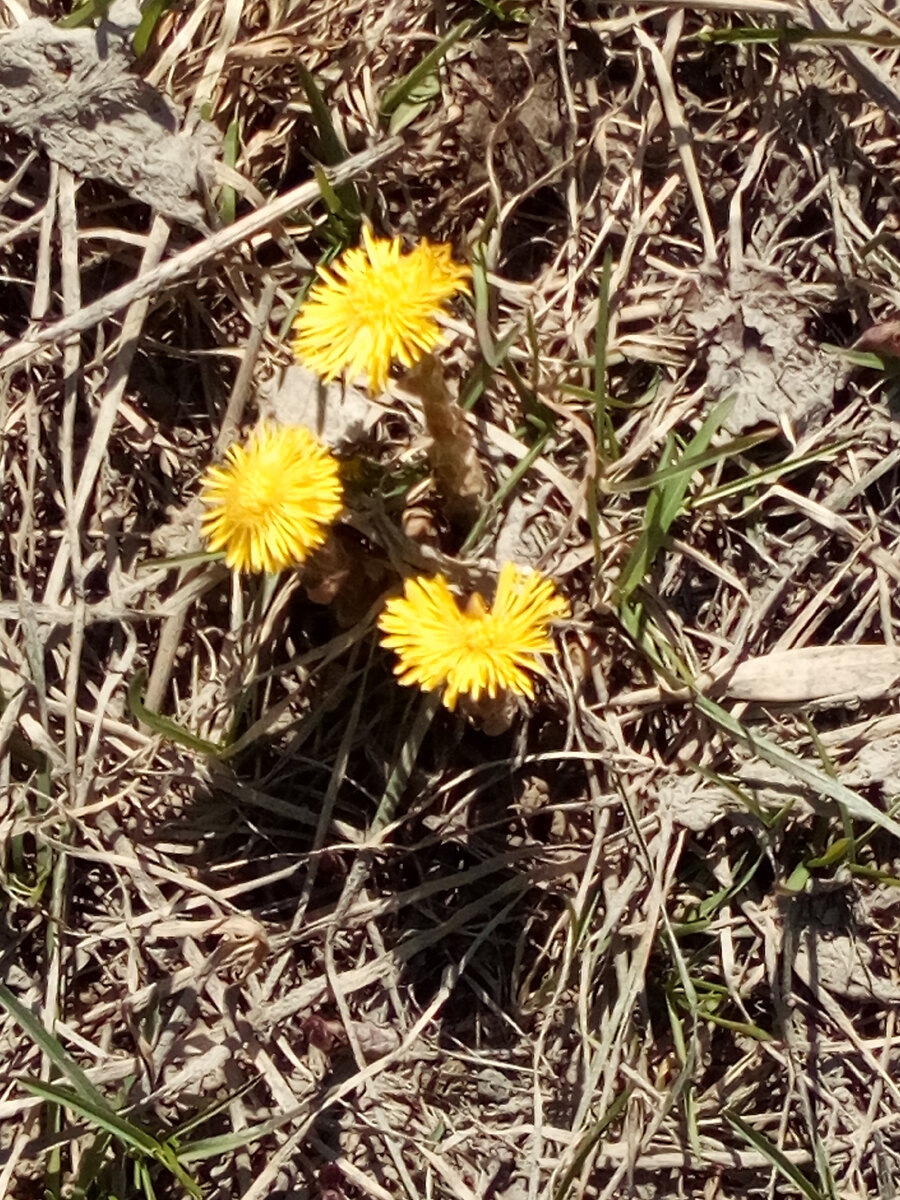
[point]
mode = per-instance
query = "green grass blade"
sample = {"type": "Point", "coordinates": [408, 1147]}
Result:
{"type": "Point", "coordinates": [496, 502]}
{"type": "Point", "coordinates": [151, 13]}
{"type": "Point", "coordinates": [589, 1139]}
{"type": "Point", "coordinates": [675, 488]}
{"type": "Point", "coordinates": [332, 149]}
{"type": "Point", "coordinates": [51, 1048]}
{"type": "Point", "coordinates": [165, 725]}
{"type": "Point", "coordinates": [230, 149]}
{"type": "Point", "coordinates": [227, 1143]}
{"type": "Point", "coordinates": [143, 1173]}
{"type": "Point", "coordinates": [213, 1109]}
{"type": "Point", "coordinates": [765, 474]}
{"type": "Point", "coordinates": [342, 201]}
{"type": "Point", "coordinates": [85, 14]}
{"type": "Point", "coordinates": [599, 404]}
{"type": "Point", "coordinates": [601, 339]}
{"type": "Point", "coordinates": [99, 1114]}
{"type": "Point", "coordinates": [776, 1157]}
{"type": "Point", "coordinates": [730, 449]}
{"type": "Point", "coordinates": [666, 499]}
{"type": "Point", "coordinates": [104, 1117]}
{"type": "Point", "coordinates": [403, 90]}
{"type": "Point", "coordinates": [403, 768]}
{"type": "Point", "coordinates": [810, 776]}
{"type": "Point", "coordinates": [91, 1164]}
{"type": "Point", "coordinates": [797, 35]}
{"type": "Point", "coordinates": [494, 352]}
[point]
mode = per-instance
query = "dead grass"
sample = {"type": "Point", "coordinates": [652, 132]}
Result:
{"type": "Point", "coordinates": [644, 941]}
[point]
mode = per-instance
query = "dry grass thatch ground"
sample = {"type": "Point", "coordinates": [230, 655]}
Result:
{"type": "Point", "coordinates": [271, 926]}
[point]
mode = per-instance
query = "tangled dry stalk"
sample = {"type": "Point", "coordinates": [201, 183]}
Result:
{"type": "Point", "coordinates": [642, 942]}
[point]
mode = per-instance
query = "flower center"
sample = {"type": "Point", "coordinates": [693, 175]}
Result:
{"type": "Point", "coordinates": [258, 496]}
{"type": "Point", "coordinates": [478, 630]}
{"type": "Point", "coordinates": [378, 298]}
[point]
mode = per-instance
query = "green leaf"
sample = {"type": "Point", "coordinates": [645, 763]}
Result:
{"type": "Point", "coordinates": [589, 1139]}
{"type": "Point", "coordinates": [496, 502]}
{"type": "Point", "coordinates": [838, 850]}
{"type": "Point", "coordinates": [91, 1164]}
{"type": "Point", "coordinates": [666, 474]}
{"type": "Point", "coordinates": [601, 340]}
{"type": "Point", "coordinates": [332, 151]}
{"type": "Point", "coordinates": [85, 14]}
{"type": "Point", "coordinates": [419, 99]}
{"type": "Point", "coordinates": [775, 471]}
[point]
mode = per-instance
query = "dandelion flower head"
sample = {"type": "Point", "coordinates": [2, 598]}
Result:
{"type": "Point", "coordinates": [472, 649]}
{"type": "Point", "coordinates": [376, 305]}
{"type": "Point", "coordinates": [269, 504]}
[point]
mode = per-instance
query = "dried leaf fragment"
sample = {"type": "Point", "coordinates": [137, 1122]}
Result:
{"type": "Point", "coordinates": [883, 338]}
{"type": "Point", "coordinates": [73, 94]}
{"type": "Point", "coordinates": [813, 673]}
{"type": "Point", "coordinates": [758, 349]}
{"type": "Point", "coordinates": [337, 413]}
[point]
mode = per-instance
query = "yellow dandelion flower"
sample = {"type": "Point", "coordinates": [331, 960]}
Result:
{"type": "Point", "coordinates": [376, 305]}
{"type": "Point", "coordinates": [473, 649]}
{"type": "Point", "coordinates": [271, 501]}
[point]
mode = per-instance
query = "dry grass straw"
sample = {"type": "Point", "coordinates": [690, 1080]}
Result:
{"type": "Point", "coordinates": [643, 943]}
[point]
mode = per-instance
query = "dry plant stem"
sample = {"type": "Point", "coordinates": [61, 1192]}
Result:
{"type": "Point", "coordinates": [864, 1133]}
{"type": "Point", "coordinates": [187, 261]}
{"type": "Point", "coordinates": [335, 780]}
{"type": "Point", "coordinates": [40, 300]}
{"type": "Point", "coordinates": [865, 69]}
{"type": "Point", "coordinates": [735, 208]}
{"type": "Point", "coordinates": [743, 6]}
{"type": "Point", "coordinates": [582, 899]}
{"type": "Point", "coordinates": [71, 294]}
{"type": "Point", "coordinates": [360, 1180]}
{"type": "Point", "coordinates": [102, 727]}
{"type": "Point", "coordinates": [608, 1053]}
{"type": "Point", "coordinates": [54, 985]}
{"type": "Point", "coordinates": [362, 864]}
{"type": "Point", "coordinates": [54, 980]}
{"type": "Point", "coordinates": [25, 559]}
{"type": "Point", "coordinates": [234, 410]}
{"type": "Point", "coordinates": [339, 1091]}
{"type": "Point", "coordinates": [212, 71]}
{"type": "Point", "coordinates": [108, 408]}
{"type": "Point", "coordinates": [167, 646]}
{"type": "Point", "coordinates": [680, 130]}
{"type": "Point", "coordinates": [664, 874]}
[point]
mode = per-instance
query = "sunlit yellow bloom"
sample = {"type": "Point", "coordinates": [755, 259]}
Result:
{"type": "Point", "coordinates": [376, 305]}
{"type": "Point", "coordinates": [271, 501]}
{"type": "Point", "coordinates": [473, 649]}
